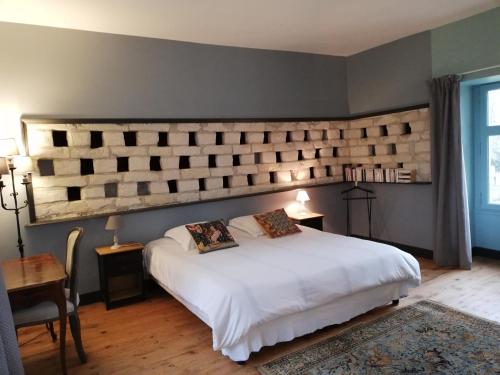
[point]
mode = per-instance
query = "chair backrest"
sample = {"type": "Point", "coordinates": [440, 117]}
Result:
{"type": "Point", "coordinates": [72, 248]}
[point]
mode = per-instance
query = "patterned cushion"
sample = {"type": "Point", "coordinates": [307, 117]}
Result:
{"type": "Point", "coordinates": [211, 236]}
{"type": "Point", "coordinates": [277, 223]}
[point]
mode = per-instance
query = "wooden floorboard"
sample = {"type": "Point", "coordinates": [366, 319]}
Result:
{"type": "Point", "coordinates": [160, 336]}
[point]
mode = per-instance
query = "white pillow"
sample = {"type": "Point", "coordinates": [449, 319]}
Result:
{"type": "Point", "coordinates": [182, 236]}
{"type": "Point", "coordinates": [247, 224]}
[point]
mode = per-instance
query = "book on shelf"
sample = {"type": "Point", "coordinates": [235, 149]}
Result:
{"type": "Point", "coordinates": [348, 174]}
{"type": "Point", "coordinates": [406, 176]}
{"type": "Point", "coordinates": [358, 174]}
{"type": "Point", "coordinates": [369, 175]}
{"type": "Point", "coordinates": [390, 176]}
{"type": "Point", "coordinates": [393, 175]}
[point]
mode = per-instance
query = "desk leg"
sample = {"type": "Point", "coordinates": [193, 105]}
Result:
{"type": "Point", "coordinates": [60, 300]}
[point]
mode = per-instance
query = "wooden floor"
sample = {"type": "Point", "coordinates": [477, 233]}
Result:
{"type": "Point", "coordinates": [160, 336]}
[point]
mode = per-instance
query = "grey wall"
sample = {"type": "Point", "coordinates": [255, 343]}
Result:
{"type": "Point", "coordinates": [83, 74]}
{"type": "Point", "coordinates": [87, 74]}
{"type": "Point", "coordinates": [467, 44]}
{"type": "Point", "coordinates": [390, 76]}
{"type": "Point", "coordinates": [401, 214]}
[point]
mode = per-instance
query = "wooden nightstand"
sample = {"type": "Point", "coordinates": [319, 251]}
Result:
{"type": "Point", "coordinates": [308, 219]}
{"type": "Point", "coordinates": [121, 274]}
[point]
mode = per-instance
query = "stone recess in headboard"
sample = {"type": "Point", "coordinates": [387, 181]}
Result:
{"type": "Point", "coordinates": [88, 168]}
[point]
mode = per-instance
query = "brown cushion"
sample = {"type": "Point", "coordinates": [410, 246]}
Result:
{"type": "Point", "coordinates": [277, 223]}
{"type": "Point", "coordinates": [211, 236]}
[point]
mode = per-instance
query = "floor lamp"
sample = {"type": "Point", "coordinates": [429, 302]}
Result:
{"type": "Point", "coordinates": [8, 149]}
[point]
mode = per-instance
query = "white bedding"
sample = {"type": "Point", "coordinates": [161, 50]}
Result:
{"type": "Point", "coordinates": [237, 289]}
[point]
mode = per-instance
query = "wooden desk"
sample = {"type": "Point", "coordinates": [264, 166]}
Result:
{"type": "Point", "coordinates": [36, 279]}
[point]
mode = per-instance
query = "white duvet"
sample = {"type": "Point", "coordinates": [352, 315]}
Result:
{"type": "Point", "coordinates": [236, 289]}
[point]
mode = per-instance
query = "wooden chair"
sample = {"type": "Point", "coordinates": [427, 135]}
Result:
{"type": "Point", "coordinates": [46, 312]}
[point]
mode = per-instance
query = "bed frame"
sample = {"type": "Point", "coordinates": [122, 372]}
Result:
{"type": "Point", "coordinates": [395, 302]}
{"type": "Point", "coordinates": [318, 318]}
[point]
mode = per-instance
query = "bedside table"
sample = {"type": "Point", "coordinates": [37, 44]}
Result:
{"type": "Point", "coordinates": [121, 274]}
{"type": "Point", "coordinates": [308, 219]}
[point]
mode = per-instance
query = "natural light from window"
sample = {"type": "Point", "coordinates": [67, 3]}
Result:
{"type": "Point", "coordinates": [494, 168]}
{"type": "Point", "coordinates": [494, 148]}
{"type": "Point", "coordinates": [494, 107]}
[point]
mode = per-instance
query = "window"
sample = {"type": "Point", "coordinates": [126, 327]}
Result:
{"type": "Point", "coordinates": [494, 107]}
{"type": "Point", "coordinates": [494, 169]}
{"type": "Point", "coordinates": [488, 143]}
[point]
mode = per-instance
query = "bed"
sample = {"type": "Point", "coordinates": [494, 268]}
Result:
{"type": "Point", "coordinates": [267, 290]}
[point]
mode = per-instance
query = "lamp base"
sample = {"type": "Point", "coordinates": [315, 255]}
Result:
{"type": "Point", "coordinates": [303, 209]}
{"type": "Point", "coordinates": [304, 212]}
{"type": "Point", "coordinates": [115, 240]}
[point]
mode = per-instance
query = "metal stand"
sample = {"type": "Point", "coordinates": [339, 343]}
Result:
{"type": "Point", "coordinates": [17, 209]}
{"type": "Point", "coordinates": [369, 199]}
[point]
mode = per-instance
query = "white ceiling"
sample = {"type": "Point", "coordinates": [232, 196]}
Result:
{"type": "Point", "coordinates": [332, 27]}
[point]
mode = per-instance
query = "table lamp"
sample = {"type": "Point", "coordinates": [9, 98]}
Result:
{"type": "Point", "coordinates": [8, 148]}
{"type": "Point", "coordinates": [302, 197]}
{"type": "Point", "coordinates": [114, 223]}
{"type": "Point", "coordinates": [24, 165]}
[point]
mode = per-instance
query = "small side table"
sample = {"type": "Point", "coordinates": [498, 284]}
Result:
{"type": "Point", "coordinates": [308, 219]}
{"type": "Point", "coordinates": [121, 274]}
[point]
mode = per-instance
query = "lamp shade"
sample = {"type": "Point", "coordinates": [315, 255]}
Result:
{"type": "Point", "coordinates": [302, 196]}
{"type": "Point", "coordinates": [8, 147]}
{"type": "Point", "coordinates": [113, 223]}
{"type": "Point", "coordinates": [4, 169]}
{"type": "Point", "coordinates": [23, 164]}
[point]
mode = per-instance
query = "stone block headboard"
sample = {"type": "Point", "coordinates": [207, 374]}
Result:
{"type": "Point", "coordinates": [85, 168]}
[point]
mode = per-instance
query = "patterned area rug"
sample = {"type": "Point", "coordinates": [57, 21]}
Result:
{"type": "Point", "coordinates": [424, 338]}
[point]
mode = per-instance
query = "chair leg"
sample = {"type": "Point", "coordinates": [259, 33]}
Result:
{"type": "Point", "coordinates": [50, 328]}
{"type": "Point", "coordinates": [74, 324]}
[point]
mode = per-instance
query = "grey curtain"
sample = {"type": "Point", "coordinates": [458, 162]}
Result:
{"type": "Point", "coordinates": [10, 359]}
{"type": "Point", "coordinates": [452, 244]}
